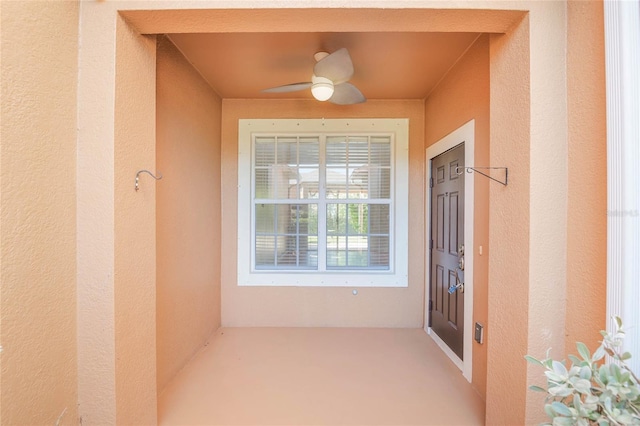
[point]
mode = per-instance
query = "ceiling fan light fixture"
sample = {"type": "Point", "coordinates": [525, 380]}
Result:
{"type": "Point", "coordinates": [322, 88]}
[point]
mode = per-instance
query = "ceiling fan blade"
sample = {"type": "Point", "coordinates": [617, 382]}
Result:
{"type": "Point", "coordinates": [288, 88]}
{"type": "Point", "coordinates": [337, 67]}
{"type": "Point", "coordinates": [347, 94]}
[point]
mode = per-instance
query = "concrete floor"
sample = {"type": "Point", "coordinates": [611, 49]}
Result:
{"type": "Point", "coordinates": [320, 376]}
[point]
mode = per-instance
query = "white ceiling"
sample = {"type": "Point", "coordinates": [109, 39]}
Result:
{"type": "Point", "coordinates": [388, 65]}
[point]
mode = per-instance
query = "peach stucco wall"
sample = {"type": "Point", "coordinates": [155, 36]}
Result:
{"type": "Point", "coordinates": [37, 213]}
{"type": "Point", "coordinates": [188, 211]}
{"type": "Point", "coordinates": [316, 306]}
{"type": "Point", "coordinates": [538, 116]}
{"type": "Point", "coordinates": [134, 280]}
{"type": "Point", "coordinates": [587, 165]}
{"type": "Point", "coordinates": [509, 226]}
{"type": "Point", "coordinates": [461, 96]}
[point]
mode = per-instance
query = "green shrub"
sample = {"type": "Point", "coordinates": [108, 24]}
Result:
{"type": "Point", "coordinates": [590, 391]}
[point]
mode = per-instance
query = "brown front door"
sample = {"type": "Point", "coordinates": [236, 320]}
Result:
{"type": "Point", "coordinates": [446, 308]}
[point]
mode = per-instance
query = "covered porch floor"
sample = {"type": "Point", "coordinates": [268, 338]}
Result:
{"type": "Point", "coordinates": [320, 376]}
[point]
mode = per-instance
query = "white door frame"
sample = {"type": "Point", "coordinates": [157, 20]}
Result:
{"type": "Point", "coordinates": [465, 134]}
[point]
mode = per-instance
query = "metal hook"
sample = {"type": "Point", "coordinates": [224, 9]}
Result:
{"type": "Point", "coordinates": [149, 173]}
{"type": "Point", "coordinates": [474, 169]}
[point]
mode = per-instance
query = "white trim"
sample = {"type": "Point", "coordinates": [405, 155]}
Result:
{"type": "Point", "coordinates": [465, 134]}
{"type": "Point", "coordinates": [622, 44]}
{"type": "Point", "coordinates": [446, 349]}
{"type": "Point", "coordinates": [398, 275]}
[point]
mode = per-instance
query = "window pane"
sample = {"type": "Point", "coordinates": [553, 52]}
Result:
{"type": "Point", "coordinates": [379, 219]}
{"type": "Point", "coordinates": [358, 151]}
{"type": "Point", "coordinates": [265, 250]}
{"type": "Point", "coordinates": [358, 219]}
{"type": "Point", "coordinates": [262, 184]}
{"type": "Point", "coordinates": [336, 251]}
{"type": "Point", "coordinates": [308, 239]}
{"type": "Point", "coordinates": [357, 251]}
{"type": "Point", "coordinates": [336, 219]}
{"type": "Point", "coordinates": [265, 151]}
{"type": "Point", "coordinates": [286, 236]}
{"type": "Point", "coordinates": [381, 151]}
{"type": "Point", "coordinates": [309, 178]}
{"type": "Point", "coordinates": [309, 152]}
{"type": "Point", "coordinates": [359, 183]}
{"type": "Point", "coordinates": [379, 183]}
{"type": "Point", "coordinates": [288, 151]}
{"type": "Point", "coordinates": [286, 182]}
{"type": "Point", "coordinates": [379, 251]}
{"type": "Point", "coordinates": [336, 150]}
{"type": "Point", "coordinates": [312, 219]}
{"type": "Point", "coordinates": [265, 218]}
{"type": "Point", "coordinates": [336, 182]}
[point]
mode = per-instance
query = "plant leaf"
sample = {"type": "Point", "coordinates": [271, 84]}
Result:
{"type": "Point", "coordinates": [582, 386]}
{"type": "Point", "coordinates": [583, 351]}
{"type": "Point", "coordinates": [560, 369]}
{"type": "Point", "coordinates": [560, 408]}
{"type": "Point", "coordinates": [585, 373]}
{"type": "Point", "coordinates": [533, 360]}
{"type": "Point", "coordinates": [598, 354]}
{"type": "Point", "coordinates": [549, 410]}
{"type": "Point", "coordinates": [563, 421]}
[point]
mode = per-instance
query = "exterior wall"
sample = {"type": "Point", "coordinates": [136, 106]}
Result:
{"type": "Point", "coordinates": [188, 212]}
{"type": "Point", "coordinates": [461, 96]}
{"type": "Point", "coordinates": [509, 227]}
{"type": "Point", "coordinates": [318, 306]}
{"type": "Point", "coordinates": [587, 165]}
{"type": "Point", "coordinates": [134, 279]}
{"type": "Point", "coordinates": [528, 258]}
{"type": "Point", "coordinates": [37, 213]}
{"type": "Point", "coordinates": [537, 223]}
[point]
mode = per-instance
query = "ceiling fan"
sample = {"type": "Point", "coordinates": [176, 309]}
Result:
{"type": "Point", "coordinates": [329, 81]}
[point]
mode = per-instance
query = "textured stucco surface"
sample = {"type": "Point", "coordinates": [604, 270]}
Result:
{"type": "Point", "coordinates": [135, 230]}
{"type": "Point", "coordinates": [37, 212]}
{"type": "Point", "coordinates": [463, 95]}
{"type": "Point", "coordinates": [543, 118]}
{"type": "Point", "coordinates": [509, 227]}
{"type": "Point", "coordinates": [528, 258]}
{"type": "Point", "coordinates": [188, 116]}
{"type": "Point", "coordinates": [587, 164]}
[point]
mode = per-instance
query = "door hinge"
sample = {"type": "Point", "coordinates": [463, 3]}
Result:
{"type": "Point", "coordinates": [430, 244]}
{"type": "Point", "coordinates": [431, 183]}
{"type": "Point", "coordinates": [430, 305]}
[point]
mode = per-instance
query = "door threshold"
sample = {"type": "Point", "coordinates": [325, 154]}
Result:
{"type": "Point", "coordinates": [452, 355]}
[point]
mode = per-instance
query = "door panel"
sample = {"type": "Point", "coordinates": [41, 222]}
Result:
{"type": "Point", "coordinates": [446, 317]}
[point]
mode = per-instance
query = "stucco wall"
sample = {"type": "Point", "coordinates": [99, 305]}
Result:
{"type": "Point", "coordinates": [527, 275]}
{"type": "Point", "coordinates": [509, 227]}
{"type": "Point", "coordinates": [537, 108]}
{"type": "Point", "coordinates": [37, 213]}
{"type": "Point", "coordinates": [134, 279]}
{"type": "Point", "coordinates": [461, 96]}
{"type": "Point", "coordinates": [188, 223]}
{"type": "Point", "coordinates": [587, 165]}
{"type": "Point", "coordinates": [317, 306]}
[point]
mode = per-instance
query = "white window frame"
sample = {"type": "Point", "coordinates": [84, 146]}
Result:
{"type": "Point", "coordinates": [396, 275]}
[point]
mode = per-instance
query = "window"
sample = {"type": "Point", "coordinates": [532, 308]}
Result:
{"type": "Point", "coordinates": [322, 202]}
